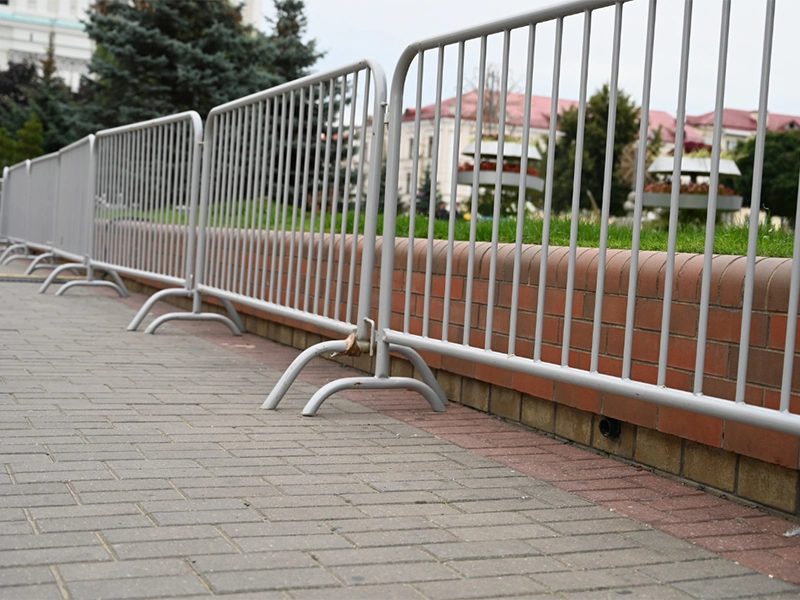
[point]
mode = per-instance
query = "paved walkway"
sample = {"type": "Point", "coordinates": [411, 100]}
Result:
{"type": "Point", "coordinates": [139, 466]}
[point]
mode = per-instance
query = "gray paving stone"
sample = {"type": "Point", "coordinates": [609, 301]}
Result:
{"type": "Point", "coordinates": [490, 587]}
{"type": "Point", "coordinates": [402, 572]}
{"type": "Point", "coordinates": [139, 587]}
{"type": "Point", "coordinates": [649, 592]}
{"type": "Point", "coordinates": [25, 576]}
{"type": "Point", "coordinates": [48, 556]}
{"type": "Point", "coordinates": [581, 543]}
{"type": "Point", "coordinates": [465, 550]}
{"type": "Point", "coordinates": [154, 534]}
{"type": "Point", "coordinates": [277, 579]}
{"type": "Point", "coordinates": [361, 556]}
{"type": "Point", "coordinates": [744, 586]}
{"type": "Point", "coordinates": [689, 570]}
{"type": "Point", "coordinates": [129, 569]}
{"type": "Point", "coordinates": [507, 566]}
{"type": "Point", "coordinates": [574, 581]}
{"type": "Point", "coordinates": [171, 548]}
{"type": "Point", "coordinates": [362, 592]}
{"type": "Point", "coordinates": [252, 561]}
{"type": "Point", "coordinates": [40, 591]}
{"type": "Point", "coordinates": [292, 542]}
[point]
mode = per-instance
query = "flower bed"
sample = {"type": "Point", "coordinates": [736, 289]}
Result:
{"type": "Point", "coordinates": [687, 188]}
{"type": "Point", "coordinates": [489, 165]}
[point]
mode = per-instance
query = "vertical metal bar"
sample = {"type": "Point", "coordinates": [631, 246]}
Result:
{"type": "Point", "coordinates": [346, 201]}
{"type": "Point", "coordinates": [713, 190]}
{"type": "Point", "coordinates": [548, 192]}
{"type": "Point", "coordinates": [177, 229]}
{"type": "Point", "coordinates": [791, 320]}
{"type": "Point", "coordinates": [633, 280]}
{"type": "Point", "coordinates": [324, 203]}
{"type": "Point", "coordinates": [473, 223]}
{"type": "Point", "coordinates": [501, 138]}
{"type": "Point", "coordinates": [365, 135]}
{"type": "Point", "coordinates": [270, 195]}
{"type": "Point", "coordinates": [304, 200]}
{"type": "Point", "coordinates": [607, 177]}
{"type": "Point", "coordinates": [242, 201]}
{"type": "Point", "coordinates": [312, 228]}
{"type": "Point", "coordinates": [412, 211]}
{"type": "Point", "coordinates": [335, 202]}
{"type": "Point", "coordinates": [755, 208]}
{"type": "Point", "coordinates": [246, 193]}
{"type": "Point", "coordinates": [287, 152]}
{"type": "Point", "coordinates": [451, 227]}
{"type": "Point", "coordinates": [274, 294]}
{"type": "Point", "coordinates": [576, 189]}
{"type": "Point", "coordinates": [235, 211]}
{"type": "Point", "coordinates": [261, 166]}
{"type": "Point", "coordinates": [252, 173]}
{"type": "Point", "coordinates": [296, 197]}
{"type": "Point", "coordinates": [221, 172]}
{"type": "Point", "coordinates": [437, 121]}
{"type": "Point", "coordinates": [680, 117]}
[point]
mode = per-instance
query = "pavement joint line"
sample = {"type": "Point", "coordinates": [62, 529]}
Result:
{"type": "Point", "coordinates": [34, 525]}
{"type": "Point", "coordinates": [62, 586]}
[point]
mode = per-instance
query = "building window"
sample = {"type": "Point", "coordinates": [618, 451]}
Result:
{"type": "Point", "coordinates": [408, 183]}
{"type": "Point", "coordinates": [731, 145]}
{"type": "Point", "coordinates": [430, 147]}
{"type": "Point", "coordinates": [411, 147]}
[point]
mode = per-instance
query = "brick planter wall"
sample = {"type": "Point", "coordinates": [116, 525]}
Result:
{"type": "Point", "coordinates": [738, 459]}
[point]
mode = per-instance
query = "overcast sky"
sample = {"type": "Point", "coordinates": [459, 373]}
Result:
{"type": "Point", "coordinates": [348, 30]}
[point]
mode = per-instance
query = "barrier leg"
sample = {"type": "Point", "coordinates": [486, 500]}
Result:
{"type": "Point", "coordinates": [298, 364]}
{"type": "Point", "coordinates": [57, 271]}
{"type": "Point", "coordinates": [198, 315]}
{"type": "Point", "coordinates": [373, 383]}
{"type": "Point", "coordinates": [151, 301]}
{"type": "Point", "coordinates": [422, 368]}
{"type": "Point", "coordinates": [93, 283]}
{"type": "Point", "coordinates": [35, 264]}
{"type": "Point", "coordinates": [10, 250]}
{"type": "Point", "coordinates": [193, 317]}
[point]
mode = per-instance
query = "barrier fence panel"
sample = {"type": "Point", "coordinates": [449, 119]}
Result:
{"type": "Point", "coordinates": [75, 208]}
{"type": "Point", "coordinates": [42, 199]}
{"type": "Point", "coordinates": [501, 316]}
{"type": "Point", "coordinates": [15, 210]}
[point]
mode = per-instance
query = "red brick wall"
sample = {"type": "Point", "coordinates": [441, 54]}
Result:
{"type": "Point", "coordinates": [766, 338]}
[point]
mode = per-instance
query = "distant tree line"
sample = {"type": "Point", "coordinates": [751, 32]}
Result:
{"type": "Point", "coordinates": [152, 58]}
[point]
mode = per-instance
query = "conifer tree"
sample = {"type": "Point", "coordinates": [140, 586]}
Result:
{"type": "Point", "coordinates": [30, 139]}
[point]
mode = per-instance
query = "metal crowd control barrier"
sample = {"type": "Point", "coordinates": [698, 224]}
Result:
{"type": "Point", "coordinates": [14, 220]}
{"type": "Point", "coordinates": [42, 200]}
{"type": "Point", "coordinates": [286, 174]}
{"type": "Point", "coordinates": [148, 177]}
{"type": "Point", "coordinates": [453, 334]}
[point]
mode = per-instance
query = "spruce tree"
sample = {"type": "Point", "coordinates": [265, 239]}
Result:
{"type": "Point", "coordinates": [293, 57]}
{"type": "Point", "coordinates": [30, 140]}
{"type": "Point", "coordinates": [159, 57]}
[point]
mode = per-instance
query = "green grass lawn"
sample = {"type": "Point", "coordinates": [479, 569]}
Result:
{"type": "Point", "coordinates": [691, 238]}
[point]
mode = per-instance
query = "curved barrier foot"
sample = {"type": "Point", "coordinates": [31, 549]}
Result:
{"type": "Point", "coordinates": [14, 257]}
{"type": "Point", "coordinates": [193, 317]}
{"type": "Point", "coordinates": [151, 301]}
{"type": "Point", "coordinates": [373, 383]}
{"type": "Point", "coordinates": [10, 250]}
{"type": "Point", "coordinates": [57, 271]}
{"type": "Point", "coordinates": [93, 283]}
{"type": "Point", "coordinates": [298, 364]}
{"type": "Point", "coordinates": [35, 264]}
{"type": "Point", "coordinates": [422, 368]}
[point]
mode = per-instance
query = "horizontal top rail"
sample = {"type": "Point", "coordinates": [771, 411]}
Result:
{"type": "Point", "coordinates": [197, 123]}
{"type": "Point", "coordinates": [513, 22]}
{"type": "Point", "coordinates": [304, 82]}
{"type": "Point", "coordinates": [44, 158]}
{"type": "Point", "coordinates": [89, 139]}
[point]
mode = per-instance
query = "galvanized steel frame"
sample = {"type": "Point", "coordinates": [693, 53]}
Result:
{"type": "Point", "coordinates": [695, 401]}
